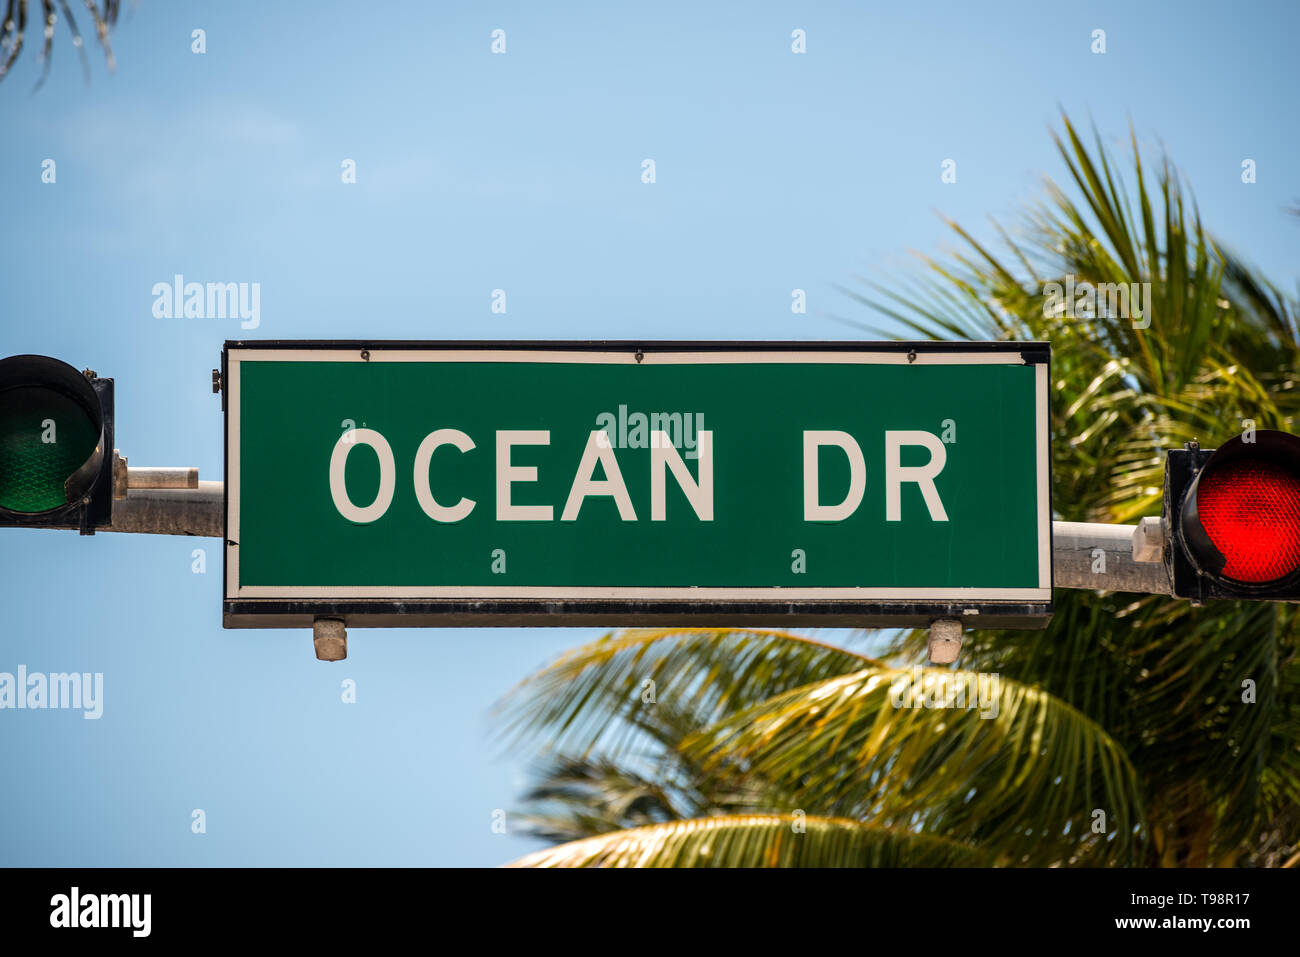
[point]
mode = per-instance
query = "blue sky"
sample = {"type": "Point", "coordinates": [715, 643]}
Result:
{"type": "Point", "coordinates": [475, 172]}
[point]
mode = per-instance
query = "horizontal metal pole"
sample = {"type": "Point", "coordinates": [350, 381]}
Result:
{"type": "Point", "coordinates": [1100, 557]}
{"type": "Point", "coordinates": [1085, 555]}
{"type": "Point", "coordinates": [153, 478]}
{"type": "Point", "coordinates": [171, 511]}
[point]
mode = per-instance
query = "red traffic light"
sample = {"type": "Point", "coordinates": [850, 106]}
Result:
{"type": "Point", "coordinates": [1234, 515]}
{"type": "Point", "coordinates": [1251, 512]}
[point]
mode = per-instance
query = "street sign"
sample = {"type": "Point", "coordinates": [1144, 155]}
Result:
{"type": "Point", "coordinates": [617, 483]}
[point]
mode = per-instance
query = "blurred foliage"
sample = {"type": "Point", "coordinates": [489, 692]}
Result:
{"type": "Point", "coordinates": [14, 27]}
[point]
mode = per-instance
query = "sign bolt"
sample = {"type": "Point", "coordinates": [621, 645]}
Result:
{"type": "Point", "coordinates": [945, 641]}
{"type": "Point", "coordinates": [330, 636]}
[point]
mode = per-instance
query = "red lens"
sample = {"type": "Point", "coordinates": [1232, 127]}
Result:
{"type": "Point", "coordinates": [1251, 511]}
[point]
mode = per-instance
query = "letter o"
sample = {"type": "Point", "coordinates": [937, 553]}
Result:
{"type": "Point", "coordinates": [348, 441]}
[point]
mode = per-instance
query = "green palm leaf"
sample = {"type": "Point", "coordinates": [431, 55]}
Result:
{"type": "Point", "coordinates": [599, 693]}
{"type": "Point", "coordinates": [785, 840]}
{"type": "Point", "coordinates": [1164, 679]}
{"type": "Point", "coordinates": [911, 748]}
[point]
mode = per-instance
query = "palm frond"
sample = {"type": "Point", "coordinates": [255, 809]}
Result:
{"type": "Point", "coordinates": [786, 840]}
{"type": "Point", "coordinates": [978, 758]}
{"type": "Point", "coordinates": [608, 692]}
{"type": "Point", "coordinates": [573, 799]}
{"type": "Point", "coordinates": [1164, 679]}
{"type": "Point", "coordinates": [13, 28]}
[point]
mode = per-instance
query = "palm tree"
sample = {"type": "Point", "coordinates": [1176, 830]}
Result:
{"type": "Point", "coordinates": [1134, 730]}
{"type": "Point", "coordinates": [13, 30]}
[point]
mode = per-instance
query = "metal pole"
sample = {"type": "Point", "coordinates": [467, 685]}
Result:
{"type": "Point", "coordinates": [171, 511]}
{"type": "Point", "coordinates": [1100, 557]}
{"type": "Point", "coordinates": [1085, 555]}
{"type": "Point", "coordinates": [162, 478]}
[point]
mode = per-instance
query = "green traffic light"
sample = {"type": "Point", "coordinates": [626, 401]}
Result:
{"type": "Point", "coordinates": [45, 436]}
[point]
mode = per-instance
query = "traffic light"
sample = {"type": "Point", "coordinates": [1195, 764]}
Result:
{"type": "Point", "coordinates": [56, 441]}
{"type": "Point", "coordinates": [1233, 518]}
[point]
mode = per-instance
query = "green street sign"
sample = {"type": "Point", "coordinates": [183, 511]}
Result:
{"type": "Point", "coordinates": [615, 483]}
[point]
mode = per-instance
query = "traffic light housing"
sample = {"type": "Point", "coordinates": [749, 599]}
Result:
{"type": "Point", "coordinates": [56, 442]}
{"type": "Point", "coordinates": [1233, 519]}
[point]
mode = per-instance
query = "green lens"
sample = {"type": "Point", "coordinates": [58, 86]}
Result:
{"type": "Point", "coordinates": [45, 436]}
